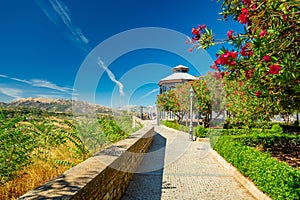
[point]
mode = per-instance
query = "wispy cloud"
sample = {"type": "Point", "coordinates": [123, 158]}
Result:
{"type": "Point", "coordinates": [40, 83]}
{"type": "Point", "coordinates": [59, 13]}
{"type": "Point", "coordinates": [149, 93]}
{"type": "Point", "coordinates": [48, 84]}
{"type": "Point", "coordinates": [19, 80]}
{"type": "Point", "coordinates": [11, 92]}
{"type": "Point", "coordinates": [111, 76]}
{"type": "Point", "coordinates": [64, 14]}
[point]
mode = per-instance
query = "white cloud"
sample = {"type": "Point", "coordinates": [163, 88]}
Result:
{"type": "Point", "coordinates": [59, 13]}
{"type": "Point", "coordinates": [40, 83]}
{"type": "Point", "coordinates": [111, 76]}
{"type": "Point", "coordinates": [49, 13]}
{"type": "Point", "coordinates": [48, 84]}
{"type": "Point", "coordinates": [11, 92]}
{"type": "Point", "coordinates": [149, 93]}
{"type": "Point", "coordinates": [19, 80]}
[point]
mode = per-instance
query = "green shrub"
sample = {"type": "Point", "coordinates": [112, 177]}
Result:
{"type": "Point", "coordinates": [277, 179]}
{"type": "Point", "coordinates": [285, 141]}
{"type": "Point", "coordinates": [276, 128]}
{"type": "Point", "coordinates": [171, 124]}
{"type": "Point", "coordinates": [16, 148]}
{"type": "Point", "coordinates": [201, 132]}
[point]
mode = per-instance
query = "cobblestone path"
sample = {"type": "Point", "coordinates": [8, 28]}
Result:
{"type": "Point", "coordinates": [176, 168]}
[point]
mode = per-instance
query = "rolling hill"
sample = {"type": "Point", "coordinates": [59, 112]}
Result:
{"type": "Point", "coordinates": [56, 105]}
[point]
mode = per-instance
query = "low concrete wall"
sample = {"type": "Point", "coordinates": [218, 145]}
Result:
{"type": "Point", "coordinates": [103, 176]}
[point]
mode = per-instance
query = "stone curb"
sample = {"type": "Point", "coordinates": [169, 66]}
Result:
{"type": "Point", "coordinates": [246, 182]}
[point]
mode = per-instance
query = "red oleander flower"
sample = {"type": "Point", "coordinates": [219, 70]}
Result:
{"type": "Point", "coordinates": [229, 34]}
{"type": "Point", "coordinates": [233, 54]}
{"type": "Point", "coordinates": [284, 17]}
{"type": "Point", "coordinates": [217, 75]}
{"type": "Point", "coordinates": [262, 33]}
{"type": "Point", "coordinates": [257, 94]}
{"type": "Point", "coordinates": [253, 7]}
{"type": "Point", "coordinates": [274, 69]}
{"type": "Point", "coordinates": [247, 50]}
{"type": "Point", "coordinates": [196, 32]}
{"type": "Point", "coordinates": [244, 16]}
{"type": "Point", "coordinates": [202, 26]}
{"type": "Point", "coordinates": [232, 63]}
{"type": "Point", "coordinates": [267, 58]}
{"type": "Point", "coordinates": [247, 3]}
{"type": "Point", "coordinates": [227, 58]}
{"type": "Point", "coordinates": [214, 67]}
{"type": "Point", "coordinates": [249, 73]}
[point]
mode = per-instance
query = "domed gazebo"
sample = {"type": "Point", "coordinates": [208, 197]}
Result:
{"type": "Point", "coordinates": [180, 75]}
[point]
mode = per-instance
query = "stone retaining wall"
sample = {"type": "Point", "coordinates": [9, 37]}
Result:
{"type": "Point", "coordinates": [103, 176]}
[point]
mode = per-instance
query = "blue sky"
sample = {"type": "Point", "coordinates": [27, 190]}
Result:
{"type": "Point", "coordinates": [45, 43]}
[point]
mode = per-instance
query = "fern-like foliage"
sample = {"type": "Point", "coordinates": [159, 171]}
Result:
{"type": "Point", "coordinates": [16, 147]}
{"type": "Point", "coordinates": [74, 137]}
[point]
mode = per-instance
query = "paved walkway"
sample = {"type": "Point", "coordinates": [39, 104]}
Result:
{"type": "Point", "coordinates": [176, 168]}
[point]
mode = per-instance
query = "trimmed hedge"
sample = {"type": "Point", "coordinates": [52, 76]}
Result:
{"type": "Point", "coordinates": [287, 141]}
{"type": "Point", "coordinates": [237, 146]}
{"type": "Point", "coordinates": [277, 179]}
{"type": "Point", "coordinates": [171, 124]}
{"type": "Point", "coordinates": [201, 132]}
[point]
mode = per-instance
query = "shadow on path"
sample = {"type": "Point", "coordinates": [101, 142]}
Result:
{"type": "Point", "coordinates": [147, 182]}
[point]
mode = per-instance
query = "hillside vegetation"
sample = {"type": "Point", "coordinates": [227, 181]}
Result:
{"type": "Point", "coordinates": [38, 141]}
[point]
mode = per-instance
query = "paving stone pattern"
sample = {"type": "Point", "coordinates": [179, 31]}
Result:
{"type": "Point", "coordinates": [187, 171]}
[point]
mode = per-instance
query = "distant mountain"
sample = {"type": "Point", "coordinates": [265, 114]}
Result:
{"type": "Point", "coordinates": [57, 105]}
{"type": "Point", "coordinates": [2, 104]}
{"type": "Point", "coordinates": [135, 108]}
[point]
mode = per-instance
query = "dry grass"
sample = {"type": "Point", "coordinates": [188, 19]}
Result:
{"type": "Point", "coordinates": [37, 174]}
{"type": "Point", "coordinates": [29, 179]}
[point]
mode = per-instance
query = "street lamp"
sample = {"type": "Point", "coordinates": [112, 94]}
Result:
{"type": "Point", "coordinates": [191, 113]}
{"type": "Point", "coordinates": [157, 115]}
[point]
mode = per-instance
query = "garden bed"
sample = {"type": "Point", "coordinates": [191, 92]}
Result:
{"type": "Point", "coordinates": [283, 147]}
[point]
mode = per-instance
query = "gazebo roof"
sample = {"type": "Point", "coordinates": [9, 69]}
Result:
{"type": "Point", "coordinates": [177, 76]}
{"type": "Point", "coordinates": [180, 68]}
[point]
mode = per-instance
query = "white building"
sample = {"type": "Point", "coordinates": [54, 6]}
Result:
{"type": "Point", "coordinates": [180, 75]}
